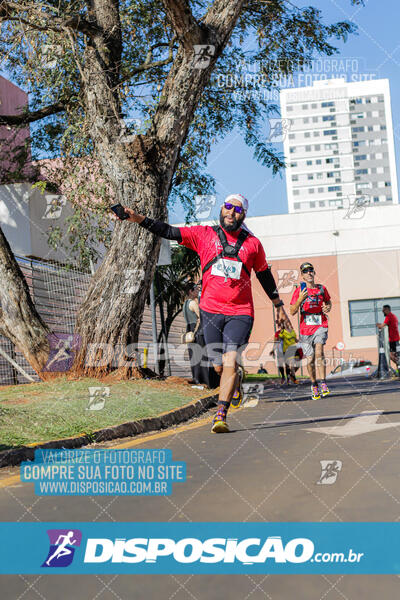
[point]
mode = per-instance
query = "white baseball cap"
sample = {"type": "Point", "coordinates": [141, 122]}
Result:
{"type": "Point", "coordinates": [242, 199]}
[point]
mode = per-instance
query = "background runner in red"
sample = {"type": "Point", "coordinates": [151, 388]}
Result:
{"type": "Point", "coordinates": [312, 304]}
{"type": "Point", "coordinates": [393, 325]}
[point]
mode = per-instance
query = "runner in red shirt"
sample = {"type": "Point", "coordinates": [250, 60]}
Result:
{"type": "Point", "coordinates": [392, 323]}
{"type": "Point", "coordinates": [314, 302]}
{"type": "Point", "coordinates": [228, 253]}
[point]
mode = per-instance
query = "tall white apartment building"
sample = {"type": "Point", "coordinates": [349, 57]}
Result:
{"type": "Point", "coordinates": [338, 145]}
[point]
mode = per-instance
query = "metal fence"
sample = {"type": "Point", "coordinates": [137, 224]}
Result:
{"type": "Point", "coordinates": [57, 293]}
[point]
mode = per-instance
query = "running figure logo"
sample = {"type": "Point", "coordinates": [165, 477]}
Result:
{"type": "Point", "coordinates": [279, 128]}
{"type": "Point", "coordinates": [287, 279]}
{"type": "Point", "coordinates": [357, 207]}
{"type": "Point", "coordinates": [330, 469]}
{"type": "Point", "coordinates": [62, 547]}
{"type": "Point", "coordinates": [62, 351]}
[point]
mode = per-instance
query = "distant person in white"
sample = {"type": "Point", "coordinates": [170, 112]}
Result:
{"type": "Point", "coordinates": [61, 549]}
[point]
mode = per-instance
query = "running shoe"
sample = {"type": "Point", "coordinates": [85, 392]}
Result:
{"type": "Point", "coordinates": [315, 395]}
{"type": "Point", "coordinates": [323, 388]}
{"type": "Point", "coordinates": [219, 424]}
{"type": "Point", "coordinates": [237, 397]}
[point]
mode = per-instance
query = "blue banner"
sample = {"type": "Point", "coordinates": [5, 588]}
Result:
{"type": "Point", "coordinates": [200, 548]}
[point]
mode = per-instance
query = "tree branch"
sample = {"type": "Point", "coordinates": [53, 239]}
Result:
{"type": "Point", "coordinates": [11, 11]}
{"type": "Point", "coordinates": [151, 65]}
{"type": "Point", "coordinates": [222, 17]}
{"type": "Point", "coordinates": [32, 116]}
{"type": "Point", "coordinates": [187, 29]}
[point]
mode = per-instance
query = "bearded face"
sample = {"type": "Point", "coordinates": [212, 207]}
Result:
{"type": "Point", "coordinates": [231, 220]}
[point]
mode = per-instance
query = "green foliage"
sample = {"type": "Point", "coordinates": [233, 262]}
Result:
{"type": "Point", "coordinates": [270, 39]}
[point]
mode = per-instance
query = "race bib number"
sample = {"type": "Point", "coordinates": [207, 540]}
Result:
{"type": "Point", "coordinates": [313, 319]}
{"type": "Point", "coordinates": [224, 267]}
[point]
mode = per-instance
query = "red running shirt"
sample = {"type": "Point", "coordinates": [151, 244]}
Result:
{"type": "Point", "coordinates": [220, 296]}
{"type": "Point", "coordinates": [393, 325]}
{"type": "Point", "coordinates": [312, 305]}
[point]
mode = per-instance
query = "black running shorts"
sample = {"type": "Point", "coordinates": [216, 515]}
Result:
{"type": "Point", "coordinates": [225, 333]}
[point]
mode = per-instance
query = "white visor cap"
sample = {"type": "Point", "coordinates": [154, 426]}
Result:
{"type": "Point", "coordinates": [242, 199]}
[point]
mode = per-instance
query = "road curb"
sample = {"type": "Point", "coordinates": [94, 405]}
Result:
{"type": "Point", "coordinates": [130, 429]}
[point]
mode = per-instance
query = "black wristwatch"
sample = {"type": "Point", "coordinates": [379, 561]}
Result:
{"type": "Point", "coordinates": [280, 303]}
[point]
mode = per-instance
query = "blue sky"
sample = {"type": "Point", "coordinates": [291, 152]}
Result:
{"type": "Point", "coordinates": [377, 50]}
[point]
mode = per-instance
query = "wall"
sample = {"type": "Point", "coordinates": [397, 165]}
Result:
{"type": "Point", "coordinates": [12, 100]}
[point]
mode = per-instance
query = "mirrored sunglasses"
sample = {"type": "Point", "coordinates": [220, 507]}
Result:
{"type": "Point", "coordinates": [308, 270]}
{"type": "Point", "coordinates": [237, 209]}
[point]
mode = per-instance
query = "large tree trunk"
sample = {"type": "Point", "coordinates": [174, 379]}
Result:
{"type": "Point", "coordinates": [141, 174]}
{"type": "Point", "coordinates": [19, 320]}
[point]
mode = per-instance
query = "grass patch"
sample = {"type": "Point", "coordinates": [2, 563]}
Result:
{"type": "Point", "coordinates": [58, 409]}
{"type": "Point", "coordinates": [262, 377]}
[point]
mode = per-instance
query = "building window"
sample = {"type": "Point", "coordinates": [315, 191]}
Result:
{"type": "Point", "coordinates": [296, 205]}
{"type": "Point", "coordinates": [306, 120]}
{"type": "Point", "coordinates": [304, 106]}
{"type": "Point", "coordinates": [309, 176]}
{"type": "Point", "coordinates": [295, 177]}
{"type": "Point", "coordinates": [318, 161]}
{"type": "Point", "coordinates": [313, 106]}
{"type": "Point", "coordinates": [312, 204]}
{"type": "Point", "coordinates": [321, 203]}
{"type": "Point", "coordinates": [320, 175]}
{"type": "Point", "coordinates": [326, 104]}
{"type": "Point", "coordinates": [293, 164]}
{"type": "Point", "coordinates": [310, 190]}
{"type": "Point", "coordinates": [365, 313]}
{"type": "Point", "coordinates": [361, 157]}
{"type": "Point", "coordinates": [357, 129]}
{"type": "Point", "coordinates": [296, 192]}
{"type": "Point", "coordinates": [361, 171]}
{"type": "Point", "coordinates": [334, 188]}
{"type": "Point", "coordinates": [292, 136]}
{"type": "Point", "coordinates": [315, 119]}
{"type": "Point", "coordinates": [330, 132]}
{"type": "Point", "coordinates": [307, 134]}
{"type": "Point", "coordinates": [317, 147]}
{"type": "Point", "coordinates": [289, 108]}
{"type": "Point", "coordinates": [316, 134]}
{"type": "Point", "coordinates": [387, 184]}
{"type": "Point", "coordinates": [292, 149]}
{"type": "Point", "coordinates": [309, 163]}
{"type": "Point", "coordinates": [308, 148]}
{"type": "Point", "coordinates": [328, 118]}
{"type": "Point", "coordinates": [320, 191]}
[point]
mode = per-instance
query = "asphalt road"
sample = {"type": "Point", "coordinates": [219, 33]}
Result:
{"type": "Point", "coordinates": [266, 469]}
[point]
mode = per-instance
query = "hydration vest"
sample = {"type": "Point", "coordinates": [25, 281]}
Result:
{"type": "Point", "coordinates": [321, 292]}
{"type": "Point", "coordinates": [228, 251]}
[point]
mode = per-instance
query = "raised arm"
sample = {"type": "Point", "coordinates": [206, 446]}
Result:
{"type": "Point", "coordinates": [159, 228]}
